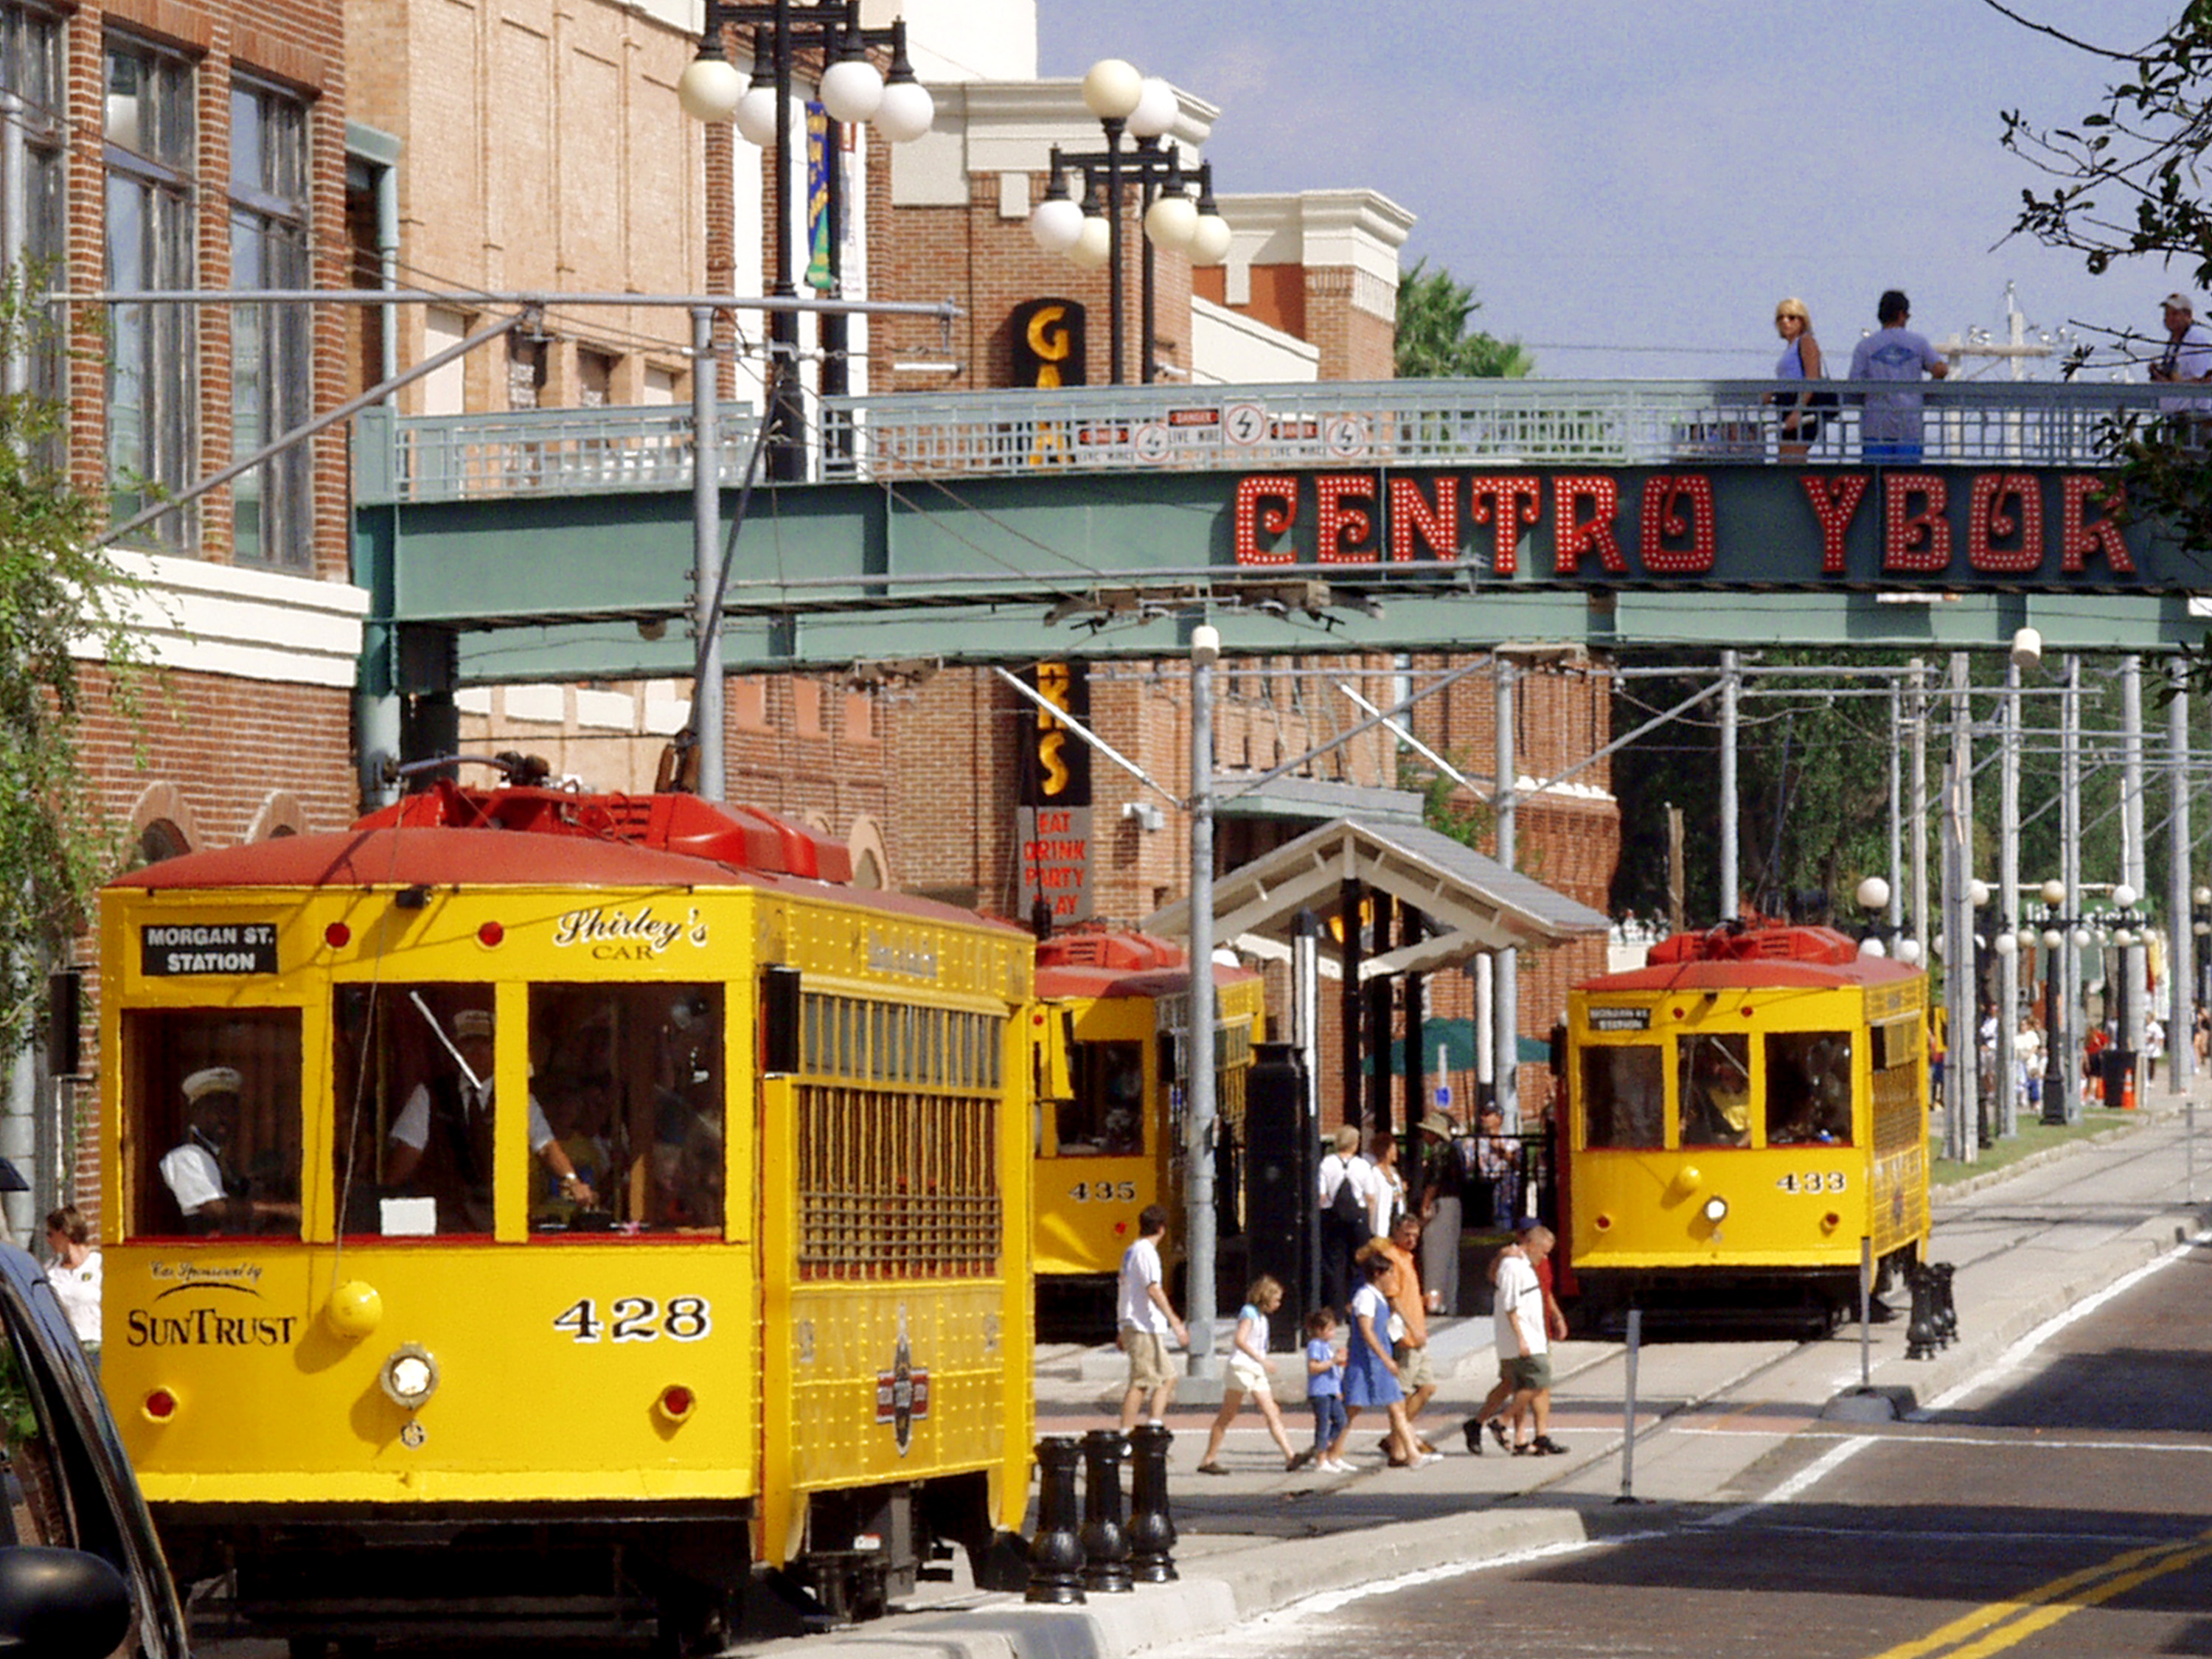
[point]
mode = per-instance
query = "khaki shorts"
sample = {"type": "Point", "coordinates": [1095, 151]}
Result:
{"type": "Point", "coordinates": [1531, 1371]}
{"type": "Point", "coordinates": [1414, 1371]}
{"type": "Point", "coordinates": [1148, 1357]}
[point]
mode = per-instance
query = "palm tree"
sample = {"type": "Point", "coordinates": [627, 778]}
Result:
{"type": "Point", "coordinates": [1434, 342]}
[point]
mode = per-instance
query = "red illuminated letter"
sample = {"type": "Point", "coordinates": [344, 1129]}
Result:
{"type": "Point", "coordinates": [1664, 496]}
{"type": "Point", "coordinates": [1917, 542]}
{"type": "Point", "coordinates": [1578, 536]}
{"type": "Point", "coordinates": [1835, 504]}
{"type": "Point", "coordinates": [1995, 514]}
{"type": "Point", "coordinates": [1412, 516]}
{"type": "Point", "coordinates": [2078, 537]}
{"type": "Point", "coordinates": [1343, 531]}
{"type": "Point", "coordinates": [1508, 502]}
{"type": "Point", "coordinates": [1266, 505]}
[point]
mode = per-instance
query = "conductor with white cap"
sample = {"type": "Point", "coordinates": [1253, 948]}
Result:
{"type": "Point", "coordinates": [211, 1197]}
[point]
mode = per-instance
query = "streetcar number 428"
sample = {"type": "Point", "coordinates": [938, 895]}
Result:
{"type": "Point", "coordinates": [637, 1319]}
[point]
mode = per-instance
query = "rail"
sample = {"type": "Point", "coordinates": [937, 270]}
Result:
{"type": "Point", "coordinates": [1425, 424]}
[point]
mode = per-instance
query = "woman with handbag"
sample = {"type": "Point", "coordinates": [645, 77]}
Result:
{"type": "Point", "coordinates": [1802, 412]}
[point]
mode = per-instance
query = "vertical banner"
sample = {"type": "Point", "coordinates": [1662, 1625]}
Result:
{"type": "Point", "coordinates": [1052, 813]}
{"type": "Point", "coordinates": [819, 230]}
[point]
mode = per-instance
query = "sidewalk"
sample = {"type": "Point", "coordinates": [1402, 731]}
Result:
{"type": "Point", "coordinates": [2027, 1245]}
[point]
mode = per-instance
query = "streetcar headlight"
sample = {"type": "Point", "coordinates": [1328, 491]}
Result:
{"type": "Point", "coordinates": [410, 1377]}
{"type": "Point", "coordinates": [1716, 1210]}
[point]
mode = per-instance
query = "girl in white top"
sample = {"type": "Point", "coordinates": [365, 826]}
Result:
{"type": "Point", "coordinates": [1248, 1373]}
{"type": "Point", "coordinates": [74, 1273]}
{"type": "Point", "coordinates": [1386, 1187]}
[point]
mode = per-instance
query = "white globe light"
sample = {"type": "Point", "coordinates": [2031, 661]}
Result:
{"type": "Point", "coordinates": [851, 89]}
{"type": "Point", "coordinates": [907, 112]}
{"type": "Point", "coordinates": [1873, 947]}
{"type": "Point", "coordinates": [2004, 945]}
{"type": "Point", "coordinates": [1156, 110]}
{"type": "Point", "coordinates": [2124, 896]}
{"type": "Point", "coordinates": [2027, 650]}
{"type": "Point", "coordinates": [1209, 247]}
{"type": "Point", "coordinates": [2123, 938]}
{"type": "Point", "coordinates": [2202, 895]}
{"type": "Point", "coordinates": [2054, 892]}
{"type": "Point", "coordinates": [1978, 892]}
{"type": "Point", "coordinates": [1057, 224]}
{"type": "Point", "coordinates": [1172, 221]}
{"type": "Point", "coordinates": [2052, 938]}
{"type": "Point", "coordinates": [755, 113]}
{"type": "Point", "coordinates": [1873, 894]}
{"type": "Point", "coordinates": [1112, 89]}
{"type": "Point", "coordinates": [2029, 939]}
{"type": "Point", "coordinates": [1908, 952]}
{"type": "Point", "coordinates": [2081, 937]}
{"type": "Point", "coordinates": [709, 89]}
{"type": "Point", "coordinates": [1094, 245]}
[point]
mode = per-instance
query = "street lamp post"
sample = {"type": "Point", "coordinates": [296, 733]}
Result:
{"type": "Point", "coordinates": [2200, 927]}
{"type": "Point", "coordinates": [1142, 108]}
{"type": "Point", "coordinates": [2055, 924]}
{"type": "Point", "coordinates": [852, 92]}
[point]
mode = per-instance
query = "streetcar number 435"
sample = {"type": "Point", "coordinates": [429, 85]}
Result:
{"type": "Point", "coordinates": [637, 1319]}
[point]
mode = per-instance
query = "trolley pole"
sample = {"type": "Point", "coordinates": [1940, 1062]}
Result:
{"type": "Point", "coordinates": [1205, 646]}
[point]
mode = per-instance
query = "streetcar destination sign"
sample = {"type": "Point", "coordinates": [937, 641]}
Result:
{"type": "Point", "coordinates": [168, 951]}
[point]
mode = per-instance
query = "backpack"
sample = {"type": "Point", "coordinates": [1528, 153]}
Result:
{"type": "Point", "coordinates": [1347, 1207]}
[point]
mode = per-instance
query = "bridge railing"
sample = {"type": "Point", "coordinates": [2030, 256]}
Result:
{"type": "Point", "coordinates": [454, 457]}
{"type": "Point", "coordinates": [1454, 422]}
{"type": "Point", "coordinates": [1488, 423]}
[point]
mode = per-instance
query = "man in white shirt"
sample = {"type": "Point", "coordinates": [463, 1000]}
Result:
{"type": "Point", "coordinates": [1145, 1317]}
{"type": "Point", "coordinates": [1340, 1237]}
{"type": "Point", "coordinates": [1524, 1348]}
{"type": "Point", "coordinates": [211, 1196]}
{"type": "Point", "coordinates": [2187, 359]}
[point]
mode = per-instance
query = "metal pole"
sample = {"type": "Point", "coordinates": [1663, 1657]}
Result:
{"type": "Point", "coordinates": [1896, 916]}
{"type": "Point", "coordinates": [1507, 968]}
{"type": "Point", "coordinates": [705, 557]}
{"type": "Point", "coordinates": [2133, 1004]}
{"type": "Point", "coordinates": [1921, 930]}
{"type": "Point", "coordinates": [787, 415]}
{"type": "Point", "coordinates": [1628, 1410]}
{"type": "Point", "coordinates": [1961, 1096]}
{"type": "Point", "coordinates": [2181, 1051]}
{"type": "Point", "coordinates": [1731, 694]}
{"type": "Point", "coordinates": [1866, 1312]}
{"type": "Point", "coordinates": [2008, 916]}
{"type": "Point", "coordinates": [1199, 1153]}
{"type": "Point", "coordinates": [2069, 844]}
{"type": "Point", "coordinates": [1114, 328]}
{"type": "Point", "coordinates": [1306, 1033]}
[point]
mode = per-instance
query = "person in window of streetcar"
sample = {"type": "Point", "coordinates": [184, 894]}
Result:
{"type": "Point", "coordinates": [441, 1142]}
{"type": "Point", "coordinates": [211, 1195]}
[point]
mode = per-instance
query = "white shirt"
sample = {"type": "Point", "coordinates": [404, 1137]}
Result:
{"type": "Point", "coordinates": [1333, 1170]}
{"type": "Point", "coordinates": [193, 1176]}
{"type": "Point", "coordinates": [1386, 1198]}
{"type": "Point", "coordinates": [412, 1127]}
{"type": "Point", "coordinates": [1141, 1271]}
{"type": "Point", "coordinates": [77, 1289]}
{"type": "Point", "coordinates": [1517, 1309]}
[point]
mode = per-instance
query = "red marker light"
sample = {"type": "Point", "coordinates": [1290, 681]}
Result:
{"type": "Point", "coordinates": [675, 1402]}
{"type": "Point", "coordinates": [490, 934]}
{"type": "Point", "coordinates": [337, 936]}
{"type": "Point", "coordinates": [160, 1405]}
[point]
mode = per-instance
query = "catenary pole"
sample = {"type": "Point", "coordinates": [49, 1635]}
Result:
{"type": "Point", "coordinates": [1506, 970]}
{"type": "Point", "coordinates": [1731, 697]}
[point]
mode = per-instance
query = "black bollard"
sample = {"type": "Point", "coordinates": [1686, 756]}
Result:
{"type": "Point", "coordinates": [1152, 1528]}
{"type": "Point", "coordinates": [1056, 1553]}
{"type": "Point", "coordinates": [1105, 1545]}
{"type": "Point", "coordinates": [1920, 1337]}
{"type": "Point", "coordinates": [1946, 1310]}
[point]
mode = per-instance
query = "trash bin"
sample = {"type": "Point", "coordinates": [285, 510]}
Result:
{"type": "Point", "coordinates": [2117, 1066]}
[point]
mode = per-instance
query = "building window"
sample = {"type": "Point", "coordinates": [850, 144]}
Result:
{"type": "Point", "coordinates": [525, 372]}
{"type": "Point", "coordinates": [151, 348]}
{"type": "Point", "coordinates": [31, 173]}
{"type": "Point", "coordinates": [595, 379]}
{"type": "Point", "coordinates": [271, 371]}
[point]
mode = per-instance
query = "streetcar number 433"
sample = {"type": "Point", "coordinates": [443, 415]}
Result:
{"type": "Point", "coordinates": [1815, 1181]}
{"type": "Point", "coordinates": [637, 1319]}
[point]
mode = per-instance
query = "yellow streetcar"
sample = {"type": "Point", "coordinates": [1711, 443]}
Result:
{"type": "Point", "coordinates": [1111, 1141]}
{"type": "Point", "coordinates": [588, 1204]}
{"type": "Point", "coordinates": [1743, 1110]}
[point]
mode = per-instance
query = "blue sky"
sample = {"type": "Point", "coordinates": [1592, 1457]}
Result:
{"type": "Point", "coordinates": [1629, 188]}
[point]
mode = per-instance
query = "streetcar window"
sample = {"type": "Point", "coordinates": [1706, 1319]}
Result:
{"type": "Point", "coordinates": [211, 1107]}
{"type": "Point", "coordinates": [1106, 1115]}
{"type": "Point", "coordinates": [1808, 1089]}
{"type": "Point", "coordinates": [1713, 1085]}
{"type": "Point", "coordinates": [1624, 1096]}
{"type": "Point", "coordinates": [412, 1078]}
{"type": "Point", "coordinates": [633, 1091]}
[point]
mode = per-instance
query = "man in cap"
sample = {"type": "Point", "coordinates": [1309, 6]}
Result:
{"type": "Point", "coordinates": [441, 1142]}
{"type": "Point", "coordinates": [1890, 429]}
{"type": "Point", "coordinates": [211, 1196]}
{"type": "Point", "coordinates": [2187, 358]}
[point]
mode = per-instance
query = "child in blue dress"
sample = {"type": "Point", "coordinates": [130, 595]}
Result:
{"type": "Point", "coordinates": [1371, 1375]}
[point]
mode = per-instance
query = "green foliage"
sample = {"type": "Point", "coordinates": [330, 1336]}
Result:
{"type": "Point", "coordinates": [1434, 340]}
{"type": "Point", "coordinates": [1446, 809]}
{"type": "Point", "coordinates": [57, 591]}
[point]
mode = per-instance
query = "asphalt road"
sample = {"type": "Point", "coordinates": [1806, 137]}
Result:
{"type": "Point", "coordinates": [2062, 1509]}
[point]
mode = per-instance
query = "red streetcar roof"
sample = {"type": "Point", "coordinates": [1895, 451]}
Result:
{"type": "Point", "coordinates": [1725, 958]}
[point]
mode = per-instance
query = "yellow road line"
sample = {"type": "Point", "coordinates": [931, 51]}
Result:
{"type": "Point", "coordinates": [2009, 1622]}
